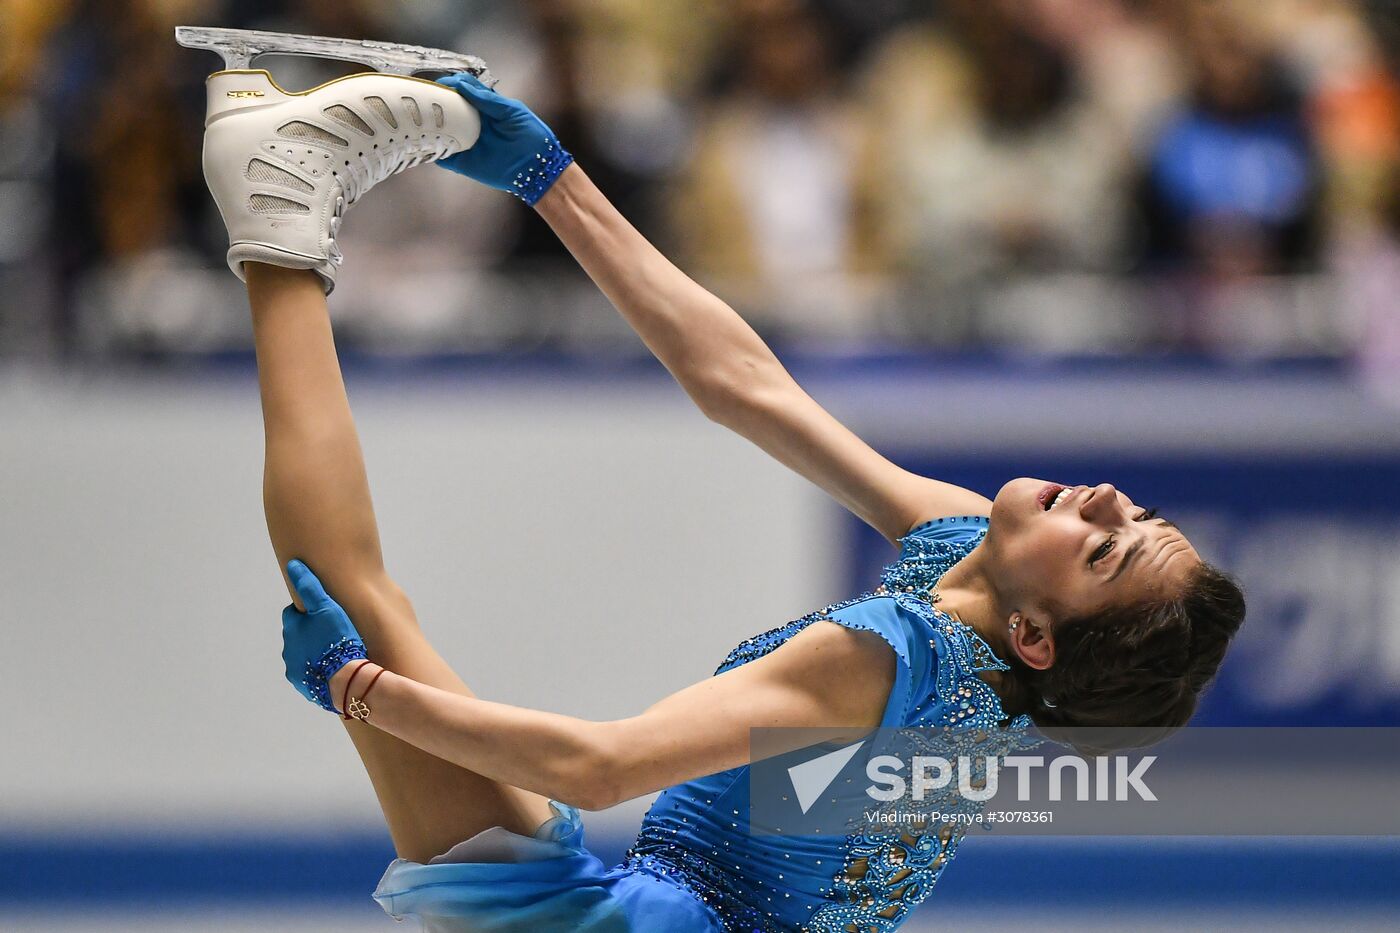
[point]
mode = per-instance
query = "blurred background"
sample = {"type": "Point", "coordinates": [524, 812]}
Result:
{"type": "Point", "coordinates": [1153, 242]}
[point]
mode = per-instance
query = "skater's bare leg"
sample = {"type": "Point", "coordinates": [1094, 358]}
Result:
{"type": "Point", "coordinates": [317, 500]}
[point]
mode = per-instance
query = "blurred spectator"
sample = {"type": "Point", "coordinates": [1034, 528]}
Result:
{"type": "Point", "coordinates": [1123, 59]}
{"type": "Point", "coordinates": [994, 154]}
{"type": "Point", "coordinates": [648, 47]}
{"type": "Point", "coordinates": [126, 175]}
{"type": "Point", "coordinates": [967, 172]}
{"type": "Point", "coordinates": [1368, 265]}
{"type": "Point", "coordinates": [771, 202]}
{"type": "Point", "coordinates": [1354, 100]}
{"type": "Point", "coordinates": [127, 153]}
{"type": "Point", "coordinates": [24, 27]}
{"type": "Point", "coordinates": [559, 28]}
{"type": "Point", "coordinates": [1232, 184]}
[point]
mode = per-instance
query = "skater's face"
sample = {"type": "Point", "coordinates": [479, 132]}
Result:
{"type": "Point", "coordinates": [1072, 551]}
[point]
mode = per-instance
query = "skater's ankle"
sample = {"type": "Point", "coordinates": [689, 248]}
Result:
{"type": "Point", "coordinates": [262, 274]}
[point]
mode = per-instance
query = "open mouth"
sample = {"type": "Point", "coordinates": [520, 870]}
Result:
{"type": "Point", "coordinates": [1053, 495]}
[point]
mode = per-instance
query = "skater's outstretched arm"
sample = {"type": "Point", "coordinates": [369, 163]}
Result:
{"type": "Point", "coordinates": [725, 367]}
{"type": "Point", "coordinates": [731, 374]}
{"type": "Point", "coordinates": [700, 730]}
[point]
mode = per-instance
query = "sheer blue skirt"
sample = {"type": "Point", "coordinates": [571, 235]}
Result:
{"type": "Point", "coordinates": [499, 881]}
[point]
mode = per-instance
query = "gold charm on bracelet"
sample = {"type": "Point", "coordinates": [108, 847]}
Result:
{"type": "Point", "coordinates": [358, 709]}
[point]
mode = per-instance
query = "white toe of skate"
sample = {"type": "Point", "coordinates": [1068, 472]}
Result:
{"type": "Point", "coordinates": [284, 166]}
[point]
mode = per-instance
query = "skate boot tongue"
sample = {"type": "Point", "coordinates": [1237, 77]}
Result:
{"type": "Point", "coordinates": [365, 170]}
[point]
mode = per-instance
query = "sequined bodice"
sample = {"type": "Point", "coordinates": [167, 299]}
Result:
{"type": "Point", "coordinates": [696, 834]}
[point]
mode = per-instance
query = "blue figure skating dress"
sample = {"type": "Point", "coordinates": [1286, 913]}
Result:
{"type": "Point", "coordinates": [694, 867]}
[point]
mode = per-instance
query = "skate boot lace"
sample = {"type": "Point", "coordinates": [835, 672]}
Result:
{"type": "Point", "coordinates": [364, 170]}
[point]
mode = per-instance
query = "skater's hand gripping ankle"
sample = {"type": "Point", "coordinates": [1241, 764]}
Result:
{"type": "Point", "coordinates": [516, 151]}
{"type": "Point", "coordinates": [318, 642]}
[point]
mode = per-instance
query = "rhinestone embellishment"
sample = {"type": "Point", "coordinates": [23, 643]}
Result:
{"type": "Point", "coordinates": [532, 181]}
{"type": "Point", "coordinates": [863, 883]}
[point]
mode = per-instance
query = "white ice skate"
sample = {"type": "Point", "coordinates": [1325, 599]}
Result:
{"type": "Point", "coordinates": [284, 166]}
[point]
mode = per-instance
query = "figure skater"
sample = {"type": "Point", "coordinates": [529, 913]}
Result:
{"type": "Point", "coordinates": [1051, 604]}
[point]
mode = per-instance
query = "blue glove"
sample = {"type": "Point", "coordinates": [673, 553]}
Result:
{"type": "Point", "coordinates": [516, 152]}
{"type": "Point", "coordinates": [318, 642]}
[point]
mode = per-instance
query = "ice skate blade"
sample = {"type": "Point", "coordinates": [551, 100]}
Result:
{"type": "Point", "coordinates": [240, 46]}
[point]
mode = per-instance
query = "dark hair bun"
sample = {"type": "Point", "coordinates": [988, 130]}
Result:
{"type": "Point", "coordinates": [1131, 676]}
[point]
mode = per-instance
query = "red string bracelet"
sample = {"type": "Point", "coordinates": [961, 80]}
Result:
{"type": "Point", "coordinates": [358, 708]}
{"type": "Point", "coordinates": [345, 697]}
